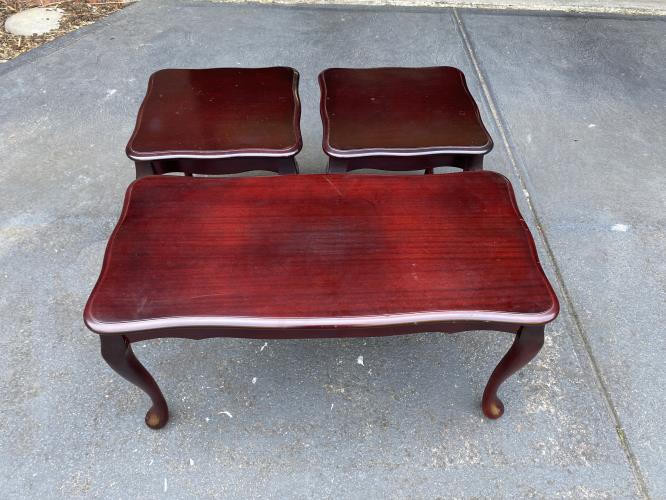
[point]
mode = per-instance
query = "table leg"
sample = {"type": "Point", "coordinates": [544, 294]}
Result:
{"type": "Point", "coordinates": [526, 345]}
{"type": "Point", "coordinates": [336, 166]}
{"type": "Point", "coordinates": [288, 166]}
{"type": "Point", "coordinates": [474, 162]}
{"type": "Point", "coordinates": [117, 352]}
{"type": "Point", "coordinates": [143, 168]}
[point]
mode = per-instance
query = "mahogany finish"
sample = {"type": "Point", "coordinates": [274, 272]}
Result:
{"type": "Point", "coordinates": [400, 119]}
{"type": "Point", "coordinates": [319, 256]}
{"type": "Point", "coordinates": [218, 121]}
{"type": "Point", "coordinates": [117, 352]}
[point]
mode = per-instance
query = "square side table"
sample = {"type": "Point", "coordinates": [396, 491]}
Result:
{"type": "Point", "coordinates": [218, 121]}
{"type": "Point", "coordinates": [400, 119]}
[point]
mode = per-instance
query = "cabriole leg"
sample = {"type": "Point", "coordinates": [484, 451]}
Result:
{"type": "Point", "coordinates": [336, 166]}
{"type": "Point", "coordinates": [144, 168]}
{"type": "Point", "coordinates": [474, 162]}
{"type": "Point", "coordinates": [288, 166]}
{"type": "Point", "coordinates": [526, 345]}
{"type": "Point", "coordinates": [117, 352]}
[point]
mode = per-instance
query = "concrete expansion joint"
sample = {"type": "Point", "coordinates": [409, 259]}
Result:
{"type": "Point", "coordinates": [565, 296]}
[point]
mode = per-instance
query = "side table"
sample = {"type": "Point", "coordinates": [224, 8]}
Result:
{"type": "Point", "coordinates": [400, 119]}
{"type": "Point", "coordinates": [218, 121]}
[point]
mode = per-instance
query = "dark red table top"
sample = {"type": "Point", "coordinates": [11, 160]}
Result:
{"type": "Point", "coordinates": [319, 251]}
{"type": "Point", "coordinates": [218, 113]}
{"type": "Point", "coordinates": [400, 111]}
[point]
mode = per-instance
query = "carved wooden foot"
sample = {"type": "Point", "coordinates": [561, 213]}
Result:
{"type": "Point", "coordinates": [527, 344]}
{"type": "Point", "coordinates": [117, 352]}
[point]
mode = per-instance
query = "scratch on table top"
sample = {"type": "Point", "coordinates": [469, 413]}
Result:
{"type": "Point", "coordinates": [142, 304]}
{"type": "Point", "coordinates": [206, 295]}
{"type": "Point", "coordinates": [333, 185]}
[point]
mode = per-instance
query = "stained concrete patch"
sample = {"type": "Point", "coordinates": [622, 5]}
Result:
{"type": "Point", "coordinates": [35, 21]}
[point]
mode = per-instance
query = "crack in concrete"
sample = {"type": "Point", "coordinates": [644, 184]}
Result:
{"type": "Point", "coordinates": [521, 174]}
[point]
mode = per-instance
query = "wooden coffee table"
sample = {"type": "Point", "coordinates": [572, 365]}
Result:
{"type": "Point", "coordinates": [218, 121]}
{"type": "Point", "coordinates": [400, 119]}
{"type": "Point", "coordinates": [319, 256]}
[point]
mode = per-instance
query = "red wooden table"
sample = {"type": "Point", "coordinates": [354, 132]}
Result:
{"type": "Point", "coordinates": [400, 119]}
{"type": "Point", "coordinates": [218, 121]}
{"type": "Point", "coordinates": [319, 256]}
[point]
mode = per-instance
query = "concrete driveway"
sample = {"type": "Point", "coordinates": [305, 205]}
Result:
{"type": "Point", "coordinates": [576, 106]}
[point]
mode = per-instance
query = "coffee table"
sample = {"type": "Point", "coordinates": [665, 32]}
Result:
{"type": "Point", "coordinates": [317, 256]}
{"type": "Point", "coordinates": [400, 119]}
{"type": "Point", "coordinates": [218, 121]}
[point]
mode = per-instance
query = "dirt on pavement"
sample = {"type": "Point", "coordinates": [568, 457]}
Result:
{"type": "Point", "coordinates": [77, 13]}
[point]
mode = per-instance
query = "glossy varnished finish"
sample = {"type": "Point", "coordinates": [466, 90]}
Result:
{"type": "Point", "coordinates": [400, 119]}
{"type": "Point", "coordinates": [526, 345]}
{"type": "Point", "coordinates": [321, 256]}
{"type": "Point", "coordinates": [340, 251]}
{"type": "Point", "coordinates": [117, 352]}
{"type": "Point", "coordinates": [211, 120]}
